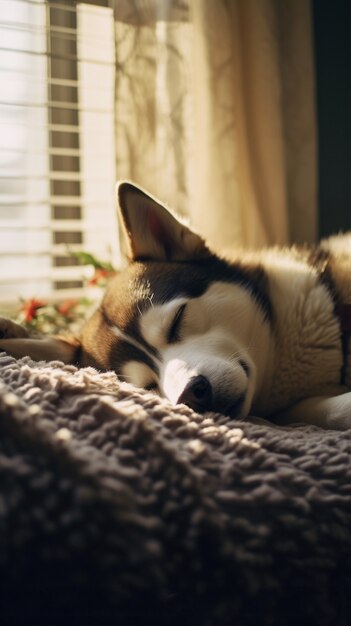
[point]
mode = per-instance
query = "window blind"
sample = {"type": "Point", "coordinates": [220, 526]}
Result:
{"type": "Point", "coordinates": [57, 156]}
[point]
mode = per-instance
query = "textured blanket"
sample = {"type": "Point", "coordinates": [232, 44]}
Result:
{"type": "Point", "coordinates": [116, 508]}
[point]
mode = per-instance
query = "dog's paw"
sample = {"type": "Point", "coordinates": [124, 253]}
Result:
{"type": "Point", "coordinates": [339, 412]}
{"type": "Point", "coordinates": [11, 330]}
{"type": "Point", "coordinates": [327, 412]}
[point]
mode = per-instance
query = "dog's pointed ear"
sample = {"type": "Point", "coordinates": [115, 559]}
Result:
{"type": "Point", "coordinates": [43, 349]}
{"type": "Point", "coordinates": [152, 231]}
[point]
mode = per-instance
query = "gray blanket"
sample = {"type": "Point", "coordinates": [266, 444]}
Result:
{"type": "Point", "coordinates": [116, 508]}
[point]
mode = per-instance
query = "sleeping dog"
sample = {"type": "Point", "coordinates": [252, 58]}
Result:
{"type": "Point", "coordinates": [264, 333]}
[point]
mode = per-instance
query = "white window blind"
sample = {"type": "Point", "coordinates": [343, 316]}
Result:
{"type": "Point", "coordinates": [57, 158]}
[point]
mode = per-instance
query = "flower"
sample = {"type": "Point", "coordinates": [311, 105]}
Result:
{"type": "Point", "coordinates": [55, 317]}
{"type": "Point", "coordinates": [30, 307]}
{"type": "Point", "coordinates": [65, 307]}
{"type": "Point", "coordinates": [100, 277]}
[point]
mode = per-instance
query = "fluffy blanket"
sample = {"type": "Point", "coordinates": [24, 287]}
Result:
{"type": "Point", "coordinates": [116, 508]}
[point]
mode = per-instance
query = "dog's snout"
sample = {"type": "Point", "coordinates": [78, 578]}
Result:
{"type": "Point", "coordinates": [197, 394]}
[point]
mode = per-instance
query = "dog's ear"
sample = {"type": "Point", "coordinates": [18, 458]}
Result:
{"type": "Point", "coordinates": [43, 349]}
{"type": "Point", "coordinates": [152, 231]}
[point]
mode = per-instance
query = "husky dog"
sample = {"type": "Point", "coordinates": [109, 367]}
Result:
{"type": "Point", "coordinates": [265, 333]}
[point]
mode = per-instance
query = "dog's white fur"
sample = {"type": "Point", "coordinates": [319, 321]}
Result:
{"type": "Point", "coordinates": [286, 368]}
{"type": "Point", "coordinates": [208, 346]}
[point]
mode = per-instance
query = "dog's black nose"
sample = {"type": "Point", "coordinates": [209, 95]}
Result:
{"type": "Point", "coordinates": [197, 394]}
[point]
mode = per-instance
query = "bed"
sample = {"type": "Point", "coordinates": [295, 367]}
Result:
{"type": "Point", "coordinates": [117, 508]}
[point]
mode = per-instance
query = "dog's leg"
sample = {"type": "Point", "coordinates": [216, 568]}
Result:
{"type": "Point", "coordinates": [15, 340]}
{"type": "Point", "coordinates": [11, 330]}
{"type": "Point", "coordinates": [327, 412]}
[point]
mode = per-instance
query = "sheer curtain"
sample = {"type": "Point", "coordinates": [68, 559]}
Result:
{"type": "Point", "coordinates": [215, 113]}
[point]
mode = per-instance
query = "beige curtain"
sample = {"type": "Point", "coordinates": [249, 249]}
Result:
{"type": "Point", "coordinates": [215, 114]}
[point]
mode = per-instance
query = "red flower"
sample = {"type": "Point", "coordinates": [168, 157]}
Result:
{"type": "Point", "coordinates": [66, 306]}
{"type": "Point", "coordinates": [30, 308]}
{"type": "Point", "coordinates": [100, 276]}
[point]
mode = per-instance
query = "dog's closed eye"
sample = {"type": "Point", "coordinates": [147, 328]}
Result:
{"type": "Point", "coordinates": [152, 386]}
{"type": "Point", "coordinates": [174, 330]}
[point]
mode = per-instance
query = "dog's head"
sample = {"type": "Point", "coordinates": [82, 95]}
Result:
{"type": "Point", "coordinates": [179, 319]}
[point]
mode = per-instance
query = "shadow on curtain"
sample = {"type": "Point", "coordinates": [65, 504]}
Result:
{"type": "Point", "coordinates": [215, 114]}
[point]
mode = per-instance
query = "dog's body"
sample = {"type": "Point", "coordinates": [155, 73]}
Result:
{"type": "Point", "coordinates": [265, 333]}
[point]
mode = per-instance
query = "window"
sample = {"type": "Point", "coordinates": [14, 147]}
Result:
{"type": "Point", "coordinates": [57, 172]}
